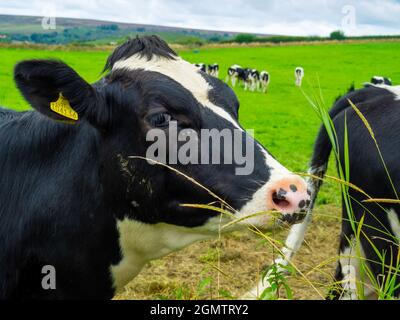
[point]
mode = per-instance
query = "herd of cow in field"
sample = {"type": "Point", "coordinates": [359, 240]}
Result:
{"type": "Point", "coordinates": [254, 80]}
{"type": "Point", "coordinates": [80, 200]}
{"type": "Point", "coordinates": [250, 79]}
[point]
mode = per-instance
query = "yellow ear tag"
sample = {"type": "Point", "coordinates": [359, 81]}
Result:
{"type": "Point", "coordinates": [62, 106]}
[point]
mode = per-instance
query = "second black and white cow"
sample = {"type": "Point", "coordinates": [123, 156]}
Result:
{"type": "Point", "coordinates": [77, 195]}
{"type": "Point", "coordinates": [370, 237]}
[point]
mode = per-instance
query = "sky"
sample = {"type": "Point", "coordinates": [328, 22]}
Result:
{"type": "Point", "coordinates": [288, 17]}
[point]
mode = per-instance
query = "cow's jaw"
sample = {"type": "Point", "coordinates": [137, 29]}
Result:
{"type": "Point", "coordinates": [141, 242]}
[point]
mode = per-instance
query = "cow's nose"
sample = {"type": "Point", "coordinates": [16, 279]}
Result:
{"type": "Point", "coordinates": [289, 195]}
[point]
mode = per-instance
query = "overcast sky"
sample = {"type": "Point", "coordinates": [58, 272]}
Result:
{"type": "Point", "coordinates": [292, 17]}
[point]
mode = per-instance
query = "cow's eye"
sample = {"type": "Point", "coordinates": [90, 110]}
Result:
{"type": "Point", "coordinates": [160, 119]}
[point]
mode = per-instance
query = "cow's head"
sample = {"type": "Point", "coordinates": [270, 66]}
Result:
{"type": "Point", "coordinates": [147, 90]}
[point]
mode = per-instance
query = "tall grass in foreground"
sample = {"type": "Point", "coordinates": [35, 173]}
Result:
{"type": "Point", "coordinates": [384, 286]}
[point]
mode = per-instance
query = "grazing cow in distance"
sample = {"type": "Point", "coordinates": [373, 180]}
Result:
{"type": "Point", "coordinates": [78, 193]}
{"type": "Point", "coordinates": [264, 81]}
{"type": "Point", "coordinates": [378, 80]}
{"type": "Point", "coordinates": [299, 74]}
{"type": "Point", "coordinates": [252, 79]}
{"type": "Point", "coordinates": [213, 70]}
{"type": "Point", "coordinates": [233, 74]}
{"type": "Point", "coordinates": [201, 66]}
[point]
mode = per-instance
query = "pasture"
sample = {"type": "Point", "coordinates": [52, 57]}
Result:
{"type": "Point", "coordinates": [286, 124]}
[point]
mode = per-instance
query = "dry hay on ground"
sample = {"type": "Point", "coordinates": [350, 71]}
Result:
{"type": "Point", "coordinates": [230, 266]}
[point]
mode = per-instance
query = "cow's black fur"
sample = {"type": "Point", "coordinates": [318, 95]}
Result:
{"type": "Point", "coordinates": [381, 108]}
{"type": "Point", "coordinates": [63, 186]}
{"type": "Point", "coordinates": [145, 46]}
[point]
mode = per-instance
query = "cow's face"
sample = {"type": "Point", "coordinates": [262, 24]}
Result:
{"type": "Point", "coordinates": [150, 92]}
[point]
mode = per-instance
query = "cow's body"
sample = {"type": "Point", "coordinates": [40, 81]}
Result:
{"type": "Point", "coordinates": [298, 74]}
{"type": "Point", "coordinates": [237, 74]}
{"type": "Point", "coordinates": [213, 70]}
{"type": "Point", "coordinates": [247, 77]}
{"type": "Point", "coordinates": [80, 197]}
{"type": "Point", "coordinates": [54, 209]}
{"type": "Point", "coordinates": [380, 221]}
{"type": "Point", "coordinates": [264, 81]}
{"type": "Point", "coordinates": [252, 80]}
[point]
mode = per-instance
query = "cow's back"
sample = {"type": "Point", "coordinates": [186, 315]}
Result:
{"type": "Point", "coordinates": [370, 173]}
{"type": "Point", "coordinates": [7, 114]}
{"type": "Point", "coordinates": [51, 210]}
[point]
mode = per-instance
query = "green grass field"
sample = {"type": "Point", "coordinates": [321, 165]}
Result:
{"type": "Point", "coordinates": [282, 119]}
{"type": "Point", "coordinates": [285, 123]}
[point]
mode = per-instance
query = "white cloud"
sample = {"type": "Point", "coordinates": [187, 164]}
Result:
{"type": "Point", "coordinates": [296, 17]}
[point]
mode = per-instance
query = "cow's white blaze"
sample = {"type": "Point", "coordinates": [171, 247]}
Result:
{"type": "Point", "coordinates": [182, 72]}
{"type": "Point", "coordinates": [190, 78]}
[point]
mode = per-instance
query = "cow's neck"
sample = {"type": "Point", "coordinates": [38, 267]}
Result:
{"type": "Point", "coordinates": [141, 242]}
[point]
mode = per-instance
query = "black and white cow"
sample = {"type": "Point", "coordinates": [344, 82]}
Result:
{"type": "Point", "coordinates": [298, 74]}
{"type": "Point", "coordinates": [381, 80]}
{"type": "Point", "coordinates": [74, 196]}
{"type": "Point", "coordinates": [243, 76]}
{"type": "Point", "coordinates": [380, 227]}
{"type": "Point", "coordinates": [380, 105]}
{"type": "Point", "coordinates": [236, 74]}
{"type": "Point", "coordinates": [213, 70]}
{"type": "Point", "coordinates": [264, 81]}
{"type": "Point", "coordinates": [252, 79]}
{"type": "Point", "coordinates": [201, 66]}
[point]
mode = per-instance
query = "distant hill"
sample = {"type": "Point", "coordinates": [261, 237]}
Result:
{"type": "Point", "coordinates": [14, 28]}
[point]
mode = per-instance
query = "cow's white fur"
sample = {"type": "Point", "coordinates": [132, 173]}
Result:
{"type": "Point", "coordinates": [143, 242]}
{"type": "Point", "coordinates": [393, 89]}
{"type": "Point", "coordinates": [394, 223]}
{"type": "Point", "coordinates": [299, 77]}
{"type": "Point", "coordinates": [182, 72]}
{"type": "Point", "coordinates": [258, 201]}
{"type": "Point", "coordinates": [350, 264]}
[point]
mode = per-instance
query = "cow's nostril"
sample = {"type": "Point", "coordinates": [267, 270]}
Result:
{"type": "Point", "coordinates": [280, 201]}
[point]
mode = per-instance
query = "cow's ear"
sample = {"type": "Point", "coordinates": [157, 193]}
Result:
{"type": "Point", "coordinates": [56, 90]}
